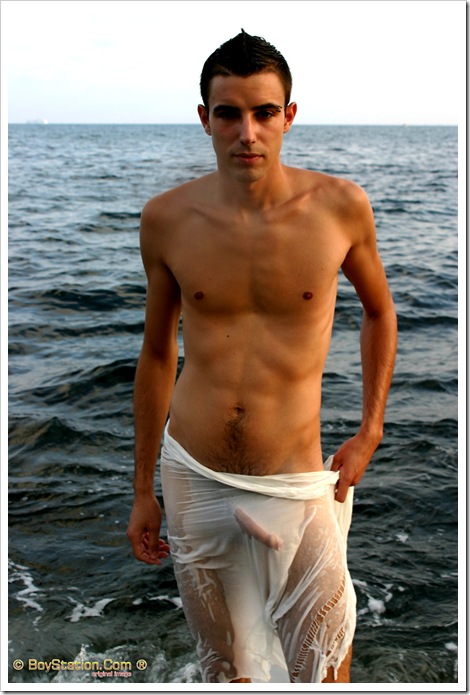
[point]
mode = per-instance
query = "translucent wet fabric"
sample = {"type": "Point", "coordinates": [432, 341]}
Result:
{"type": "Point", "coordinates": [260, 563]}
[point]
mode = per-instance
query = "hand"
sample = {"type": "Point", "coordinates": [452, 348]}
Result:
{"type": "Point", "coordinates": [351, 460]}
{"type": "Point", "coordinates": [144, 529]}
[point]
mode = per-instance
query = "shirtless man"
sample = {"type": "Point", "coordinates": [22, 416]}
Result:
{"type": "Point", "coordinates": [250, 256]}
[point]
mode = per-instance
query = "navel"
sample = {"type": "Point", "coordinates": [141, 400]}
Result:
{"type": "Point", "coordinates": [199, 295]}
{"type": "Point", "coordinates": [307, 295]}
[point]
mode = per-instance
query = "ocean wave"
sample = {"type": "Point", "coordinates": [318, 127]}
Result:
{"type": "Point", "coordinates": [35, 439]}
{"type": "Point", "coordinates": [82, 298]}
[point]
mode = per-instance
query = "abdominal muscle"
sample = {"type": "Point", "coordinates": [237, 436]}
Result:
{"type": "Point", "coordinates": [245, 410]}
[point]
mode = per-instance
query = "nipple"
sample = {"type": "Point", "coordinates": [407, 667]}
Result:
{"type": "Point", "coordinates": [199, 295]}
{"type": "Point", "coordinates": [307, 295]}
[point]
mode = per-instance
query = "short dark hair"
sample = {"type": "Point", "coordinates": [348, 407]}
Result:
{"type": "Point", "coordinates": [245, 55]}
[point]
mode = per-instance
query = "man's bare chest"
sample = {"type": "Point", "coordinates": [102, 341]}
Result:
{"type": "Point", "coordinates": [284, 269]}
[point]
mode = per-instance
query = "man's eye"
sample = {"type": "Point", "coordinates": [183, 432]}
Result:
{"type": "Point", "coordinates": [264, 115]}
{"type": "Point", "coordinates": [226, 115]}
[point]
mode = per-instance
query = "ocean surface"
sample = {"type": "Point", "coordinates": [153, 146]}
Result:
{"type": "Point", "coordinates": [76, 312]}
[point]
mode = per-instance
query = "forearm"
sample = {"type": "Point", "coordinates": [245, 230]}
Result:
{"type": "Point", "coordinates": [378, 350]}
{"type": "Point", "coordinates": [154, 382]}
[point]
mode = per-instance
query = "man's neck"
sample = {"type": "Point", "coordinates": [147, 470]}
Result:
{"type": "Point", "coordinates": [255, 196]}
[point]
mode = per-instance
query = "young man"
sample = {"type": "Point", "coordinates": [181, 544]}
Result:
{"type": "Point", "coordinates": [250, 255]}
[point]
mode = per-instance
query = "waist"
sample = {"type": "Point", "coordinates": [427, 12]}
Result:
{"type": "Point", "coordinates": [303, 485]}
{"type": "Point", "coordinates": [248, 430]}
{"type": "Point", "coordinates": [246, 444]}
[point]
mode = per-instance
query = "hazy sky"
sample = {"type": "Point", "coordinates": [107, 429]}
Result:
{"type": "Point", "coordinates": [370, 62]}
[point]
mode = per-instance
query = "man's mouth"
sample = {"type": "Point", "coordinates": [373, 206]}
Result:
{"type": "Point", "coordinates": [247, 156]}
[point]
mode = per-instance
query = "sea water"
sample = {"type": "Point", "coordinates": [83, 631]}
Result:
{"type": "Point", "coordinates": [76, 313]}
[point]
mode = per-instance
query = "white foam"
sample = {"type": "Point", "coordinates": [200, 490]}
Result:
{"type": "Point", "coordinates": [388, 595]}
{"type": "Point", "coordinates": [176, 600]}
{"type": "Point", "coordinates": [402, 537]}
{"type": "Point", "coordinates": [81, 611]}
{"type": "Point", "coordinates": [157, 668]}
{"type": "Point", "coordinates": [29, 595]}
{"type": "Point", "coordinates": [186, 674]}
{"type": "Point", "coordinates": [376, 606]}
{"type": "Point", "coordinates": [360, 583]}
{"type": "Point", "coordinates": [87, 655]}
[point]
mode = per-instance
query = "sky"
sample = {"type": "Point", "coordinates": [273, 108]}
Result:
{"type": "Point", "coordinates": [353, 62]}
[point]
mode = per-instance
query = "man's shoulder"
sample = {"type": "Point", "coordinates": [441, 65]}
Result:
{"type": "Point", "coordinates": [163, 215]}
{"type": "Point", "coordinates": [335, 190]}
{"type": "Point", "coordinates": [341, 201]}
{"type": "Point", "coordinates": [175, 202]}
{"type": "Point", "coordinates": [344, 199]}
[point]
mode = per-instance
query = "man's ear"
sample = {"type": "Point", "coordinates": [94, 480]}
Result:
{"type": "Point", "coordinates": [204, 118]}
{"type": "Point", "coordinates": [291, 110]}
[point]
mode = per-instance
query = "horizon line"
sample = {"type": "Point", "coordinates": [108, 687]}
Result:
{"type": "Point", "coordinates": [45, 122]}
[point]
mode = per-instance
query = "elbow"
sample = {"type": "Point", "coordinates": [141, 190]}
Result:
{"type": "Point", "coordinates": [159, 356]}
{"type": "Point", "coordinates": [385, 313]}
{"type": "Point", "coordinates": [381, 327]}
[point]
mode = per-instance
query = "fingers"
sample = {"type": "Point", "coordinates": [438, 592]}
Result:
{"type": "Point", "coordinates": [343, 483]}
{"type": "Point", "coordinates": [341, 490]}
{"type": "Point", "coordinates": [153, 549]}
{"type": "Point", "coordinates": [340, 494]}
{"type": "Point", "coordinates": [144, 531]}
{"type": "Point", "coordinates": [158, 550]}
{"type": "Point", "coordinates": [148, 547]}
{"type": "Point", "coordinates": [336, 465]}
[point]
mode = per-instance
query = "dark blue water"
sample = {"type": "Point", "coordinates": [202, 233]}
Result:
{"type": "Point", "coordinates": [76, 310]}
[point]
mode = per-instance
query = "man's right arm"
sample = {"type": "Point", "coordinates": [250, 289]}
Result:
{"type": "Point", "coordinates": [154, 382]}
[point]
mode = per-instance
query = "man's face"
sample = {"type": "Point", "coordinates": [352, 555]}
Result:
{"type": "Point", "coordinates": [247, 120]}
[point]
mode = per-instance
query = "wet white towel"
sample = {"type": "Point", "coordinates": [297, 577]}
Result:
{"type": "Point", "coordinates": [261, 568]}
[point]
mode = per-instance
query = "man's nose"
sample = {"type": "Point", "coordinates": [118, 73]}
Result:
{"type": "Point", "coordinates": [247, 131]}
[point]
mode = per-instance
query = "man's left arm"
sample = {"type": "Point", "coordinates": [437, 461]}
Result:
{"type": "Point", "coordinates": [363, 268]}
